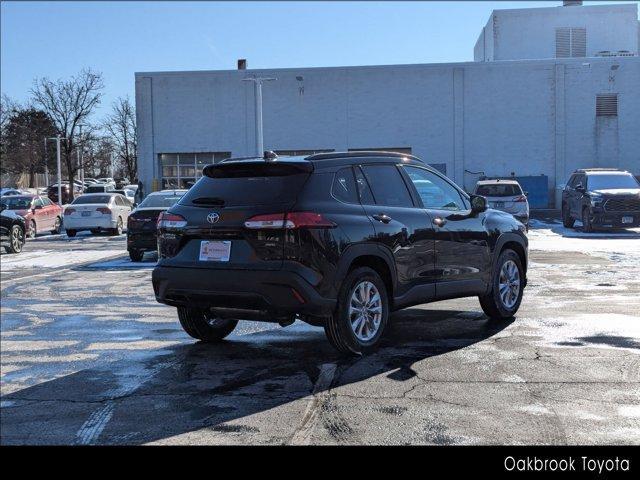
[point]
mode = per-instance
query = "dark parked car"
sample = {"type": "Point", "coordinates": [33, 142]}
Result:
{"type": "Point", "coordinates": [52, 192]}
{"type": "Point", "coordinates": [39, 213]}
{"type": "Point", "coordinates": [601, 198]}
{"type": "Point", "coordinates": [338, 240]}
{"type": "Point", "coordinates": [12, 230]}
{"type": "Point", "coordinates": [141, 225]}
{"type": "Point", "coordinates": [99, 188]}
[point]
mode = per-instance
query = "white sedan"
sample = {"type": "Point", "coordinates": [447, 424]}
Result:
{"type": "Point", "coordinates": [97, 212]}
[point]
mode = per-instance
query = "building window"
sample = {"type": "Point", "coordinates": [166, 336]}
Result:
{"type": "Point", "coordinates": [182, 170]}
{"type": "Point", "coordinates": [607, 105]}
{"type": "Point", "coordinates": [571, 42]}
{"type": "Point", "coordinates": [405, 150]}
{"type": "Point", "coordinates": [290, 153]}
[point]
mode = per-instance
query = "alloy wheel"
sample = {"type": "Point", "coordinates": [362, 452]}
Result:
{"type": "Point", "coordinates": [365, 311]}
{"type": "Point", "coordinates": [16, 239]}
{"type": "Point", "coordinates": [509, 284]}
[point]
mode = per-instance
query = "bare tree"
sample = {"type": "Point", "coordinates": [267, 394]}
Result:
{"type": "Point", "coordinates": [69, 103]}
{"type": "Point", "coordinates": [121, 125]}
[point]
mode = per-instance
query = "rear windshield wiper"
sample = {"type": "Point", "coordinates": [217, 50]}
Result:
{"type": "Point", "coordinates": [217, 201]}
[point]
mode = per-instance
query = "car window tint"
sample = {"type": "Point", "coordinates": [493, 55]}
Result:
{"type": "Point", "coordinates": [434, 191]}
{"type": "Point", "coordinates": [387, 186]}
{"type": "Point", "coordinates": [366, 197]}
{"type": "Point", "coordinates": [344, 186]}
{"type": "Point", "coordinates": [46, 202]}
{"type": "Point", "coordinates": [89, 199]}
{"type": "Point", "coordinates": [37, 202]}
{"type": "Point", "coordinates": [499, 190]}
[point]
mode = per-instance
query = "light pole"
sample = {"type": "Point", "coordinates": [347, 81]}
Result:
{"type": "Point", "coordinates": [257, 83]}
{"type": "Point", "coordinates": [46, 161]}
{"type": "Point", "coordinates": [80, 166]}
{"type": "Point", "coordinates": [58, 138]}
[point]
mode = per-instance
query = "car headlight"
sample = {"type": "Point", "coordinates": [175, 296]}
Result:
{"type": "Point", "coordinates": [596, 200]}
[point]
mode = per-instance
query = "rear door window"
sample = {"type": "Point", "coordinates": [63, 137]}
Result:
{"type": "Point", "coordinates": [344, 186]}
{"type": "Point", "coordinates": [364, 192]}
{"type": "Point", "coordinates": [387, 186]}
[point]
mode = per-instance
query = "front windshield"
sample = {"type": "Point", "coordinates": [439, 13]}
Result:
{"type": "Point", "coordinates": [17, 203]}
{"type": "Point", "coordinates": [161, 201]}
{"type": "Point", "coordinates": [611, 182]}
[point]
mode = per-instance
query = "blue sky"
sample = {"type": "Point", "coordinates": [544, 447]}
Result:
{"type": "Point", "coordinates": [57, 39]}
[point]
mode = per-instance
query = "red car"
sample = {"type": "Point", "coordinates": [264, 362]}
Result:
{"type": "Point", "coordinates": [39, 212]}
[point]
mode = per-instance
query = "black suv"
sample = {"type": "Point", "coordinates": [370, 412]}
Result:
{"type": "Point", "coordinates": [337, 240]}
{"type": "Point", "coordinates": [601, 197]}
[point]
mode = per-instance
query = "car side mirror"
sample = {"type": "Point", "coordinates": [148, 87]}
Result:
{"type": "Point", "coordinates": [478, 204]}
{"type": "Point", "coordinates": [579, 188]}
{"type": "Point", "coordinates": [526, 194]}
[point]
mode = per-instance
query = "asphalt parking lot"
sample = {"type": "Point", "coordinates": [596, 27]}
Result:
{"type": "Point", "coordinates": [89, 357]}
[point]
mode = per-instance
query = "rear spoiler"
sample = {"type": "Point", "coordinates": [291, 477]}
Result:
{"type": "Point", "coordinates": [258, 168]}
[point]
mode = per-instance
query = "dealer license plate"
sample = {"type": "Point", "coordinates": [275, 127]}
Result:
{"type": "Point", "coordinates": [215, 251]}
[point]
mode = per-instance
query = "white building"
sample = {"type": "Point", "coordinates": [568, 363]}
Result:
{"type": "Point", "coordinates": [546, 115]}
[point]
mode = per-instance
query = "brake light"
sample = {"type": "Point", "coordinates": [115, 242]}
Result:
{"type": "Point", "coordinates": [521, 198]}
{"type": "Point", "coordinates": [290, 220]}
{"type": "Point", "coordinates": [171, 220]}
{"type": "Point", "coordinates": [104, 210]}
{"type": "Point", "coordinates": [69, 211]}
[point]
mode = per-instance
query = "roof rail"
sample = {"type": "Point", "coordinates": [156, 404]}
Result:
{"type": "Point", "coordinates": [362, 153]}
{"type": "Point", "coordinates": [584, 170]}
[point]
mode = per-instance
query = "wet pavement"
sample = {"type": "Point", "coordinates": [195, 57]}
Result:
{"type": "Point", "coordinates": [89, 357]}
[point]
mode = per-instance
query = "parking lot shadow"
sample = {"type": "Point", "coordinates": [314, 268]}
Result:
{"type": "Point", "coordinates": [197, 387]}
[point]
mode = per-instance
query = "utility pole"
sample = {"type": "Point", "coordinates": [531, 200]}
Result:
{"type": "Point", "coordinates": [257, 84]}
{"type": "Point", "coordinates": [58, 138]}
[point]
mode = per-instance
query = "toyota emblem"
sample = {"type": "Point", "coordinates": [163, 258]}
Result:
{"type": "Point", "coordinates": [213, 217]}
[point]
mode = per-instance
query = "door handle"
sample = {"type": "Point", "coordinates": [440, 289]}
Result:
{"type": "Point", "coordinates": [382, 217]}
{"type": "Point", "coordinates": [439, 222]}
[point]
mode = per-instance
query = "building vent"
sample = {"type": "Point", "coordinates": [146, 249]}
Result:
{"type": "Point", "coordinates": [571, 42]}
{"type": "Point", "coordinates": [242, 64]}
{"type": "Point", "coordinates": [607, 105]}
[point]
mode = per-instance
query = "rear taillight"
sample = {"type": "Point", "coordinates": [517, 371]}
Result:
{"type": "Point", "coordinates": [104, 210]}
{"type": "Point", "coordinates": [171, 220]}
{"type": "Point", "coordinates": [290, 220]}
{"type": "Point", "coordinates": [521, 198]}
{"type": "Point", "coordinates": [69, 211]}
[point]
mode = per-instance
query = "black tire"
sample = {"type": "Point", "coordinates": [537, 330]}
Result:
{"type": "Point", "coordinates": [16, 239]}
{"type": "Point", "coordinates": [136, 255]}
{"type": "Point", "coordinates": [198, 324]}
{"type": "Point", "coordinates": [118, 230]}
{"type": "Point", "coordinates": [33, 229]}
{"type": "Point", "coordinates": [338, 327]}
{"type": "Point", "coordinates": [71, 233]}
{"type": "Point", "coordinates": [567, 220]}
{"type": "Point", "coordinates": [57, 228]}
{"type": "Point", "coordinates": [586, 221]}
{"type": "Point", "coordinates": [492, 304]}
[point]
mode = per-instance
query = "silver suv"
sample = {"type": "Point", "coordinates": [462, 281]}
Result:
{"type": "Point", "coordinates": [505, 195]}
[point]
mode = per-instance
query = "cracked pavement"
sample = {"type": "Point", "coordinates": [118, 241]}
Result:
{"type": "Point", "coordinates": [89, 357]}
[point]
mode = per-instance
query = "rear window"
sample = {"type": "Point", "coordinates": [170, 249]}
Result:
{"type": "Point", "coordinates": [161, 201]}
{"type": "Point", "coordinates": [248, 184]}
{"type": "Point", "coordinates": [88, 199]}
{"type": "Point", "coordinates": [17, 203]}
{"type": "Point", "coordinates": [499, 190]}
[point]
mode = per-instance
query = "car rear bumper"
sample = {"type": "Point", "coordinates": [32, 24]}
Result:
{"type": "Point", "coordinates": [89, 223]}
{"type": "Point", "coordinates": [142, 241]}
{"type": "Point", "coordinates": [252, 294]}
